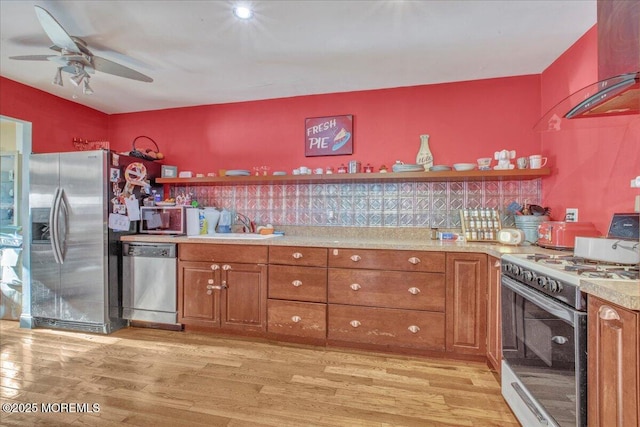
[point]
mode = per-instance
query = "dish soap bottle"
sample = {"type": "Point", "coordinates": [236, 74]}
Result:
{"type": "Point", "coordinates": [424, 157]}
{"type": "Point", "coordinates": [224, 226]}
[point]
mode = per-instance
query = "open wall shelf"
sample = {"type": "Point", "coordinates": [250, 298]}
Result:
{"type": "Point", "coordinates": [474, 175]}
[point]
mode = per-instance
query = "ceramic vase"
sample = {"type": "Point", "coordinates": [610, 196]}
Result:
{"type": "Point", "coordinates": [424, 157]}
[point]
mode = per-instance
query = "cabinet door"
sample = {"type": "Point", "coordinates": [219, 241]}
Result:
{"type": "Point", "coordinates": [494, 341]}
{"type": "Point", "coordinates": [613, 365]}
{"type": "Point", "coordinates": [198, 301]}
{"type": "Point", "coordinates": [466, 300]}
{"type": "Point", "coordinates": [244, 297]}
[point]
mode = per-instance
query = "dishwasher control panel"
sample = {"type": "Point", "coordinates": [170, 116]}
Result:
{"type": "Point", "coordinates": [150, 250]}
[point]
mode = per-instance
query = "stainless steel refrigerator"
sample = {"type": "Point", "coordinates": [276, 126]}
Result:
{"type": "Point", "coordinates": [76, 262]}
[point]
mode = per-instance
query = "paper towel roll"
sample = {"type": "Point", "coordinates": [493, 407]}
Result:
{"type": "Point", "coordinates": [193, 221]}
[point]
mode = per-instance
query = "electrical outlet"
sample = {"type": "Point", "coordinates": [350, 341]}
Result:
{"type": "Point", "coordinates": [571, 215]}
{"type": "Point", "coordinates": [637, 207]}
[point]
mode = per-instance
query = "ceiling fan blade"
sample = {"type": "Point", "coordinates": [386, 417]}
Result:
{"type": "Point", "coordinates": [110, 67]}
{"type": "Point", "coordinates": [32, 57]}
{"type": "Point", "coordinates": [54, 30]}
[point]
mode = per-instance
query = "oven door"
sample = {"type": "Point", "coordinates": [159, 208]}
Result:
{"type": "Point", "coordinates": [544, 350]}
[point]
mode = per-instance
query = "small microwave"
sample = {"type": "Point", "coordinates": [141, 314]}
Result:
{"type": "Point", "coordinates": [163, 220]}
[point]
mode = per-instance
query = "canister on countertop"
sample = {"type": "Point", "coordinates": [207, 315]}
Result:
{"type": "Point", "coordinates": [355, 166]}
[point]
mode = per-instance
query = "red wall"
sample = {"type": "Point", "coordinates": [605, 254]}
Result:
{"type": "Point", "coordinates": [55, 121]}
{"type": "Point", "coordinates": [465, 120]}
{"type": "Point", "coordinates": [593, 160]}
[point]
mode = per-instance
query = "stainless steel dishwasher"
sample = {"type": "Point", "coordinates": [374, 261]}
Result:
{"type": "Point", "coordinates": [149, 286]}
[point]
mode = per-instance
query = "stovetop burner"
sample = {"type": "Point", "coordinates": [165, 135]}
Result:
{"type": "Point", "coordinates": [587, 268]}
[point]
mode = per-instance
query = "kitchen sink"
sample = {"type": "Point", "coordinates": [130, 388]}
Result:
{"type": "Point", "coordinates": [234, 236]}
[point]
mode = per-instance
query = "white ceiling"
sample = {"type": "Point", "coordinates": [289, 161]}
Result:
{"type": "Point", "coordinates": [199, 54]}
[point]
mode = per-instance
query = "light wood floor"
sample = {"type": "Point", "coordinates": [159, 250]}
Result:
{"type": "Point", "coordinates": [146, 377]}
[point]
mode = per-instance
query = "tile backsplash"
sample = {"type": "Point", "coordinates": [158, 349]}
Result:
{"type": "Point", "coordinates": [366, 204]}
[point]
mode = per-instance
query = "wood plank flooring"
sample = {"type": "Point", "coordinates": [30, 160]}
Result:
{"type": "Point", "coordinates": [147, 377]}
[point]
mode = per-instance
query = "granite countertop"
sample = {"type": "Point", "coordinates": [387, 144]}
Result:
{"type": "Point", "coordinates": [625, 293]}
{"type": "Point", "coordinates": [353, 237]}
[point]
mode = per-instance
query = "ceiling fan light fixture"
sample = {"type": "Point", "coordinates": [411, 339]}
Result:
{"type": "Point", "coordinates": [76, 79]}
{"type": "Point", "coordinates": [243, 12]}
{"type": "Point", "coordinates": [57, 79]}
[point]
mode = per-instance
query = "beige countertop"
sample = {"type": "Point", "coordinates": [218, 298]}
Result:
{"type": "Point", "coordinates": [352, 237]}
{"type": "Point", "coordinates": [621, 292]}
{"type": "Point", "coordinates": [625, 293]}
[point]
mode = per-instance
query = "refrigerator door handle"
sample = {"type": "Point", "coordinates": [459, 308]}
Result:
{"type": "Point", "coordinates": [53, 224]}
{"type": "Point", "coordinates": [62, 235]}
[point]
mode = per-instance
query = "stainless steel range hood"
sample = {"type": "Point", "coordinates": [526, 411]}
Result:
{"type": "Point", "coordinates": [618, 90]}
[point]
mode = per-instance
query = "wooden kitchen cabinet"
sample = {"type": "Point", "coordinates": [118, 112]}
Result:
{"type": "Point", "coordinates": [387, 299]}
{"type": "Point", "coordinates": [466, 303]}
{"type": "Point", "coordinates": [494, 325]}
{"type": "Point", "coordinates": [613, 384]}
{"type": "Point", "coordinates": [223, 286]}
{"type": "Point", "coordinates": [387, 328]}
{"type": "Point", "coordinates": [297, 305]}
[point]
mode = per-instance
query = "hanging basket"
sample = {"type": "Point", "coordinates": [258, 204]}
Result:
{"type": "Point", "coordinates": [144, 154]}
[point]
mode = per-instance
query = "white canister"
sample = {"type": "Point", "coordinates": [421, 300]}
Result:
{"type": "Point", "coordinates": [212, 215]}
{"type": "Point", "coordinates": [193, 221]}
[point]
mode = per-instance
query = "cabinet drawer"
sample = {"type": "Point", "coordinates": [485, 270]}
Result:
{"type": "Point", "coordinates": [393, 289]}
{"type": "Point", "coordinates": [298, 283]}
{"type": "Point", "coordinates": [223, 253]}
{"type": "Point", "coordinates": [387, 327]}
{"type": "Point", "coordinates": [388, 260]}
{"type": "Point", "coordinates": [298, 255]}
{"type": "Point", "coordinates": [301, 319]}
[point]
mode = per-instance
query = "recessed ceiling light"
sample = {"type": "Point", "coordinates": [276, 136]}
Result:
{"type": "Point", "coordinates": [243, 12]}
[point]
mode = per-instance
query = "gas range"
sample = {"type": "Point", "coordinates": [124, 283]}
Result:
{"type": "Point", "coordinates": [558, 276]}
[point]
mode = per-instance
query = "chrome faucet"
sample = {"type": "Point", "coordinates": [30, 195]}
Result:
{"type": "Point", "coordinates": [245, 221]}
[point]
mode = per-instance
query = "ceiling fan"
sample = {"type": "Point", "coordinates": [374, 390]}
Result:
{"type": "Point", "coordinates": [75, 57]}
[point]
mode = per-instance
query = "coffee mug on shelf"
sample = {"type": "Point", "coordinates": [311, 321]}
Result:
{"type": "Point", "coordinates": [537, 161]}
{"type": "Point", "coordinates": [522, 162]}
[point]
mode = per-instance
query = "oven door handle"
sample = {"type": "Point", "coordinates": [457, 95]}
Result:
{"type": "Point", "coordinates": [546, 303]}
{"type": "Point", "coordinates": [527, 401]}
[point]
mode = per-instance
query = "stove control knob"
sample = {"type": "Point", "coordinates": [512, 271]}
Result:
{"type": "Point", "coordinates": [516, 270]}
{"type": "Point", "coordinates": [528, 275]}
{"type": "Point", "coordinates": [555, 286]}
{"type": "Point", "coordinates": [543, 282]}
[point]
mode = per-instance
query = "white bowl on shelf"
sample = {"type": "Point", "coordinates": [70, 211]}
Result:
{"type": "Point", "coordinates": [464, 166]}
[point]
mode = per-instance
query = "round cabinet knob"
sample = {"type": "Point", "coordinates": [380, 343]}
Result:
{"type": "Point", "coordinates": [297, 255]}
{"type": "Point", "coordinates": [355, 258]}
{"type": "Point", "coordinates": [414, 329]}
{"type": "Point", "coordinates": [296, 319]}
{"type": "Point", "coordinates": [296, 283]}
{"type": "Point", "coordinates": [209, 292]}
{"type": "Point", "coordinates": [210, 281]}
{"type": "Point", "coordinates": [215, 267]}
{"type": "Point", "coordinates": [355, 286]}
{"type": "Point", "coordinates": [414, 291]}
{"type": "Point", "coordinates": [226, 267]}
{"type": "Point", "coordinates": [414, 260]}
{"type": "Point", "coordinates": [355, 323]}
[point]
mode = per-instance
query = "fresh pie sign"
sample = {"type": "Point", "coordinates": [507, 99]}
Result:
{"type": "Point", "coordinates": [328, 136]}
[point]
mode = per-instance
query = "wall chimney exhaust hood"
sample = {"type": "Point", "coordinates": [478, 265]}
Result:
{"type": "Point", "coordinates": [618, 90]}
